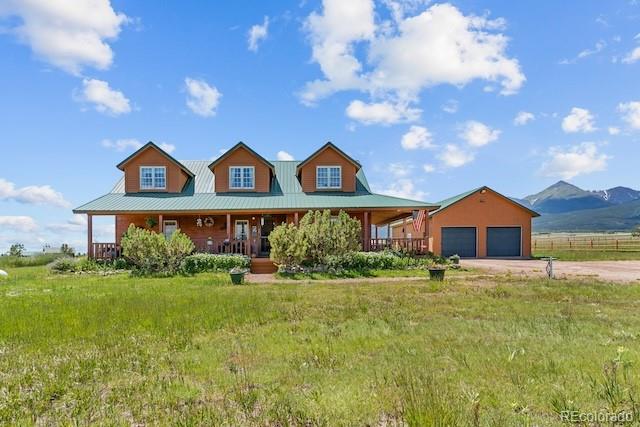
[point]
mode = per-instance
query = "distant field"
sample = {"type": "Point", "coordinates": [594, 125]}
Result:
{"type": "Point", "coordinates": [586, 246]}
{"type": "Point", "coordinates": [496, 350]}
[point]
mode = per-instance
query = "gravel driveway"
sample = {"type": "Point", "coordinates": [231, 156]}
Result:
{"type": "Point", "coordinates": [615, 271]}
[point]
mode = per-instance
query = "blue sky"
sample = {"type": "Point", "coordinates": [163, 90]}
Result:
{"type": "Point", "coordinates": [424, 94]}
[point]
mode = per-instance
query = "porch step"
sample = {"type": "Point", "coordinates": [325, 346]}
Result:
{"type": "Point", "coordinates": [262, 266]}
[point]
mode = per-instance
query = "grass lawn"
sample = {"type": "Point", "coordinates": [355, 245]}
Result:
{"type": "Point", "coordinates": [354, 274]}
{"type": "Point", "coordinates": [591, 255]}
{"type": "Point", "coordinates": [198, 351]}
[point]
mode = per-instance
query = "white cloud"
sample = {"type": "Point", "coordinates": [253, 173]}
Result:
{"type": "Point", "coordinates": [77, 223]}
{"type": "Point", "coordinates": [400, 169]}
{"type": "Point", "coordinates": [631, 113]}
{"type": "Point", "coordinates": [417, 137]}
{"type": "Point", "coordinates": [18, 223]}
{"type": "Point", "coordinates": [632, 56]}
{"type": "Point", "coordinates": [478, 134]}
{"type": "Point", "coordinates": [454, 156]}
{"type": "Point", "coordinates": [69, 34]}
{"type": "Point", "coordinates": [202, 99]}
{"type": "Point", "coordinates": [579, 120]}
{"type": "Point", "coordinates": [332, 34]}
{"type": "Point", "coordinates": [384, 113]}
{"type": "Point", "coordinates": [32, 194]}
{"type": "Point", "coordinates": [105, 99]}
{"type": "Point", "coordinates": [428, 168]}
{"type": "Point", "coordinates": [132, 144]}
{"type": "Point", "coordinates": [403, 187]}
{"type": "Point", "coordinates": [283, 155]}
{"type": "Point", "coordinates": [577, 160]}
{"type": "Point", "coordinates": [523, 117]}
{"type": "Point", "coordinates": [613, 130]}
{"type": "Point", "coordinates": [599, 46]}
{"type": "Point", "coordinates": [451, 106]}
{"type": "Point", "coordinates": [438, 46]}
{"type": "Point", "coordinates": [257, 33]}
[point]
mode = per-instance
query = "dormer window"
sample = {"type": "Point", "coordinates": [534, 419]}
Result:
{"type": "Point", "coordinates": [242, 177]}
{"type": "Point", "coordinates": [328, 177]}
{"type": "Point", "coordinates": [153, 177]}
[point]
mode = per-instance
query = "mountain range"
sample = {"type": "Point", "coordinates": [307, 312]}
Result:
{"type": "Point", "coordinates": [566, 207]}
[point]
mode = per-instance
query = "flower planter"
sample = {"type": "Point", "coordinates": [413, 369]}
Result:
{"type": "Point", "coordinates": [237, 278]}
{"type": "Point", "coordinates": [436, 274]}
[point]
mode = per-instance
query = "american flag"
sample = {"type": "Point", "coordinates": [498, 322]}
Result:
{"type": "Point", "coordinates": [418, 219]}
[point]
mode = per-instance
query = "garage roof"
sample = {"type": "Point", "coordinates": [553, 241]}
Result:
{"type": "Point", "coordinates": [455, 199]}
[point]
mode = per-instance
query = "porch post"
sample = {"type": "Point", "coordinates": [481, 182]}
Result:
{"type": "Point", "coordinates": [295, 218]}
{"type": "Point", "coordinates": [367, 232]}
{"type": "Point", "coordinates": [404, 227]}
{"type": "Point", "coordinates": [375, 230]}
{"type": "Point", "coordinates": [228, 226]}
{"type": "Point", "coordinates": [160, 224]}
{"type": "Point", "coordinates": [89, 235]}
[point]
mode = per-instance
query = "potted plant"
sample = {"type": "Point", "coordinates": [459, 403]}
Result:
{"type": "Point", "coordinates": [436, 271]}
{"type": "Point", "coordinates": [237, 275]}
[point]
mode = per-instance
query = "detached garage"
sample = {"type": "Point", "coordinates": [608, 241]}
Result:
{"type": "Point", "coordinates": [502, 226]}
{"type": "Point", "coordinates": [479, 223]}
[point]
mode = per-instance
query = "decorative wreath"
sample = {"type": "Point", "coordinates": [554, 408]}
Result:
{"type": "Point", "coordinates": [208, 221]}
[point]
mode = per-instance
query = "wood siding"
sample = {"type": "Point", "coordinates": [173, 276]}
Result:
{"type": "Point", "coordinates": [176, 177]}
{"type": "Point", "coordinates": [242, 157]}
{"type": "Point", "coordinates": [480, 211]}
{"type": "Point", "coordinates": [328, 157]}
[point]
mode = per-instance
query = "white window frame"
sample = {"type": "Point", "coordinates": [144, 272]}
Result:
{"type": "Point", "coordinates": [242, 168]}
{"type": "Point", "coordinates": [153, 178]}
{"type": "Point", "coordinates": [329, 186]}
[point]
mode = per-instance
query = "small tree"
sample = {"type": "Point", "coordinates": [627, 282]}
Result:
{"type": "Point", "coordinates": [636, 231]}
{"type": "Point", "coordinates": [326, 235]}
{"type": "Point", "coordinates": [151, 253]}
{"type": "Point", "coordinates": [288, 246]}
{"type": "Point", "coordinates": [17, 250]}
{"type": "Point", "coordinates": [65, 249]}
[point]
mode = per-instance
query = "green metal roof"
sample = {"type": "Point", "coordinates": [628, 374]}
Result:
{"type": "Point", "coordinates": [286, 193]}
{"type": "Point", "coordinates": [451, 200]}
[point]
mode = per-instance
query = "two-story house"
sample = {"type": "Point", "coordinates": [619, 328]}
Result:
{"type": "Point", "coordinates": [231, 205]}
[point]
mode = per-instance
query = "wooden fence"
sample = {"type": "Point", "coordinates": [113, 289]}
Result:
{"type": "Point", "coordinates": [615, 242]}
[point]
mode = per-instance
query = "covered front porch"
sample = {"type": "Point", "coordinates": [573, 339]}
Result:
{"type": "Point", "coordinates": [247, 233]}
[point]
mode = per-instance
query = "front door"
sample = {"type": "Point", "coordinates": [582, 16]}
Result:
{"type": "Point", "coordinates": [242, 229]}
{"type": "Point", "coordinates": [169, 227]}
{"type": "Point", "coordinates": [265, 229]}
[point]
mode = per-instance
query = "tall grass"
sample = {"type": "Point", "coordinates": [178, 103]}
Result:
{"type": "Point", "coordinates": [27, 261]}
{"type": "Point", "coordinates": [120, 350]}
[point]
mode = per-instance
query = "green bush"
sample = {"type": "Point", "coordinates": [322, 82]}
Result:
{"type": "Point", "coordinates": [326, 235]}
{"type": "Point", "coordinates": [150, 253]}
{"type": "Point", "coordinates": [200, 263]}
{"type": "Point", "coordinates": [387, 260]}
{"type": "Point", "coordinates": [318, 236]}
{"type": "Point", "coordinates": [288, 246]}
{"type": "Point", "coordinates": [64, 265]}
{"type": "Point", "coordinates": [86, 265]}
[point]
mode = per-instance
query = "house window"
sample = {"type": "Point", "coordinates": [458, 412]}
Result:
{"type": "Point", "coordinates": [242, 229]}
{"type": "Point", "coordinates": [169, 227]}
{"type": "Point", "coordinates": [153, 177]}
{"type": "Point", "coordinates": [242, 177]}
{"type": "Point", "coordinates": [328, 177]}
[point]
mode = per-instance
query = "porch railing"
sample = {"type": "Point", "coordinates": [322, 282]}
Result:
{"type": "Point", "coordinates": [418, 246]}
{"type": "Point", "coordinates": [222, 246]}
{"type": "Point", "coordinates": [106, 250]}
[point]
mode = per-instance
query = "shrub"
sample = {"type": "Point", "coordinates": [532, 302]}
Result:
{"type": "Point", "coordinates": [150, 253]}
{"type": "Point", "coordinates": [325, 235]}
{"type": "Point", "coordinates": [387, 260]}
{"type": "Point", "coordinates": [288, 246]}
{"type": "Point", "coordinates": [64, 265]}
{"type": "Point", "coordinates": [200, 263]}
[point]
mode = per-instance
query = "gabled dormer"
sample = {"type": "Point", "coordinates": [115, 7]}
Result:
{"type": "Point", "coordinates": [240, 169]}
{"type": "Point", "coordinates": [328, 169]}
{"type": "Point", "coordinates": [151, 169]}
